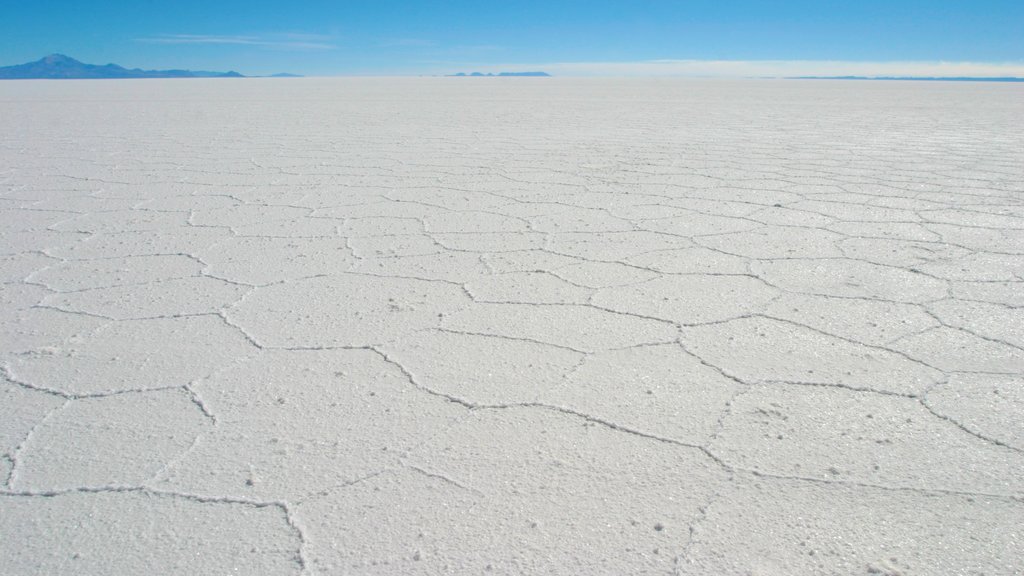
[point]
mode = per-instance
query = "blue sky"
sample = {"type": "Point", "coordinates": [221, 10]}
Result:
{"type": "Point", "coordinates": [730, 37]}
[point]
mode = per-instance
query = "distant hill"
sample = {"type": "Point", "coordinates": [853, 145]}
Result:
{"type": "Point", "coordinates": [478, 74]}
{"type": "Point", "coordinates": [921, 78]}
{"type": "Point", "coordinates": [59, 66]}
{"type": "Point", "coordinates": [285, 75]}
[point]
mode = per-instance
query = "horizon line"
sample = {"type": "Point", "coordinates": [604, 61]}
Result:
{"type": "Point", "coordinates": [697, 68]}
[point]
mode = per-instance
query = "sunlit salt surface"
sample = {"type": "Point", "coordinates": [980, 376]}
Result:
{"type": "Point", "coordinates": [516, 326]}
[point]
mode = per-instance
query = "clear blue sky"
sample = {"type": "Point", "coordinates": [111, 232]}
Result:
{"type": "Point", "coordinates": [323, 37]}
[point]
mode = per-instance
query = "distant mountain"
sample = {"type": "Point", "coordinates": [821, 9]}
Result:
{"type": "Point", "coordinates": [59, 66]}
{"type": "Point", "coordinates": [285, 75]}
{"type": "Point", "coordinates": [479, 74]}
{"type": "Point", "coordinates": [921, 78]}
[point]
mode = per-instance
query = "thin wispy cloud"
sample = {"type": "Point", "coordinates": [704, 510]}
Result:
{"type": "Point", "coordinates": [478, 48]}
{"type": "Point", "coordinates": [406, 43]}
{"type": "Point", "coordinates": [278, 41]}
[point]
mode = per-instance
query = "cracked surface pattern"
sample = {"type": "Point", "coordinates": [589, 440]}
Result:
{"type": "Point", "coordinates": [434, 326]}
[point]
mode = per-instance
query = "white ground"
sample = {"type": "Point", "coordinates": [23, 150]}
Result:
{"type": "Point", "coordinates": [428, 326]}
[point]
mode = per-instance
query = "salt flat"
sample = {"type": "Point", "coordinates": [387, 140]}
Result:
{"type": "Point", "coordinates": [516, 326]}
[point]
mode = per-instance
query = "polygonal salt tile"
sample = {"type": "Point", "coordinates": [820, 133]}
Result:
{"type": "Point", "coordinates": [260, 261]}
{"type": "Point", "coordinates": [580, 328]}
{"type": "Point", "coordinates": [134, 532]}
{"type": "Point", "coordinates": [799, 527]}
{"type": "Point", "coordinates": [604, 274]}
{"type": "Point", "coordinates": [872, 322]}
{"type": "Point", "coordinates": [491, 242]}
{"type": "Point", "coordinates": [987, 404]}
{"type": "Point", "coordinates": [856, 211]}
{"type": "Point", "coordinates": [123, 221]}
{"type": "Point", "coordinates": [534, 209]}
{"type": "Point", "coordinates": [658, 209]}
{"type": "Point", "coordinates": [402, 522]}
{"type": "Point", "coordinates": [975, 218]}
{"type": "Point", "coordinates": [692, 224]}
{"type": "Point", "coordinates": [612, 246]}
{"type": "Point", "coordinates": [18, 267]}
{"type": "Point", "coordinates": [345, 196]}
{"type": "Point", "coordinates": [1006, 293]}
{"type": "Point", "coordinates": [836, 434]}
{"type": "Point", "coordinates": [385, 209]}
{"type": "Point", "coordinates": [80, 203]}
{"type": "Point", "coordinates": [177, 297]}
{"type": "Point", "coordinates": [21, 409]}
{"type": "Point", "coordinates": [739, 192]}
{"type": "Point", "coordinates": [121, 439]}
{"type": "Point", "coordinates": [377, 226]}
{"type": "Point", "coordinates": [293, 423]}
{"type": "Point", "coordinates": [13, 243]}
{"type": "Point", "coordinates": [978, 267]}
{"type": "Point", "coordinates": [391, 246]}
{"type": "Point", "coordinates": [527, 287]}
{"type": "Point", "coordinates": [86, 274]}
{"type": "Point", "coordinates": [19, 296]}
{"type": "Point", "coordinates": [776, 242]}
{"type": "Point", "coordinates": [28, 220]}
{"type": "Point", "coordinates": [689, 299]}
{"type": "Point", "coordinates": [474, 222]}
{"type": "Point", "coordinates": [449, 266]}
{"type": "Point", "coordinates": [135, 355]}
{"type": "Point", "coordinates": [450, 198]}
{"type": "Point", "coordinates": [741, 198]}
{"type": "Point", "coordinates": [687, 180]}
{"type": "Point", "coordinates": [244, 215]}
{"type": "Point", "coordinates": [625, 499]}
{"type": "Point", "coordinates": [763, 350]}
{"type": "Point", "coordinates": [990, 321]}
{"type": "Point", "coordinates": [696, 260]}
{"type": "Point", "coordinates": [188, 203]}
{"type": "Point", "coordinates": [851, 279]}
{"type": "Point", "coordinates": [528, 261]}
{"type": "Point", "coordinates": [482, 369]}
{"type": "Point", "coordinates": [782, 216]}
{"type": "Point", "coordinates": [344, 310]}
{"type": "Point", "coordinates": [886, 230]}
{"type": "Point", "coordinates": [42, 330]}
{"type": "Point", "coordinates": [147, 243]}
{"type": "Point", "coordinates": [580, 220]}
{"type": "Point", "coordinates": [901, 253]}
{"type": "Point", "coordinates": [659, 390]}
{"type": "Point", "coordinates": [981, 239]}
{"type": "Point", "coordinates": [955, 350]}
{"type": "Point", "coordinates": [299, 227]}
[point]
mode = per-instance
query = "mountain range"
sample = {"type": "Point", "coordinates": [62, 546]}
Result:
{"type": "Point", "coordinates": [59, 66]}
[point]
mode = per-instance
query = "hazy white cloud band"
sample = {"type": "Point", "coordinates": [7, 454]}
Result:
{"type": "Point", "coordinates": [771, 68]}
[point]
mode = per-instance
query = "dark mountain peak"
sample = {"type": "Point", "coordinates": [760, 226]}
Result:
{"type": "Point", "coordinates": [60, 66]}
{"type": "Point", "coordinates": [58, 59]}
